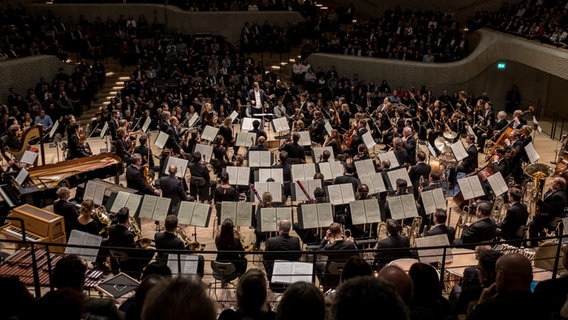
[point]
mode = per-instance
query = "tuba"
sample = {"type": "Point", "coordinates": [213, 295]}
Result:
{"type": "Point", "coordinates": [142, 242]}
{"type": "Point", "coordinates": [414, 229]}
{"type": "Point", "coordinates": [539, 172]}
{"type": "Point", "coordinates": [190, 245]}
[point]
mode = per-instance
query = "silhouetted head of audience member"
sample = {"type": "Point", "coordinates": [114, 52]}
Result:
{"type": "Point", "coordinates": [156, 268]}
{"type": "Point", "coordinates": [64, 304]}
{"type": "Point", "coordinates": [69, 272]}
{"type": "Point", "coordinates": [356, 266]}
{"type": "Point", "coordinates": [426, 284]}
{"type": "Point", "coordinates": [367, 298]}
{"type": "Point", "coordinates": [400, 281]}
{"type": "Point", "coordinates": [251, 292]}
{"type": "Point", "coordinates": [179, 298]}
{"type": "Point", "coordinates": [301, 301]}
{"type": "Point", "coordinates": [487, 259]}
{"type": "Point", "coordinates": [514, 273]}
{"type": "Point", "coordinates": [16, 301]}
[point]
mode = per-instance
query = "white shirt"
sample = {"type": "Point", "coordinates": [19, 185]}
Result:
{"type": "Point", "coordinates": [258, 103]}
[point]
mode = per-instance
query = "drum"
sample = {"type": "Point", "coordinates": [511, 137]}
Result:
{"type": "Point", "coordinates": [451, 136]}
{"type": "Point", "coordinates": [437, 165]}
{"type": "Point", "coordinates": [404, 264]}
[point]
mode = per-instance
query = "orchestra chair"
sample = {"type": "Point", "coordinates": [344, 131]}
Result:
{"type": "Point", "coordinates": [223, 274]}
{"type": "Point", "coordinates": [331, 278]}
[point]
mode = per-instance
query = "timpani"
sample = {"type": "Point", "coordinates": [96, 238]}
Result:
{"type": "Point", "coordinates": [455, 268]}
{"type": "Point", "coordinates": [404, 263]}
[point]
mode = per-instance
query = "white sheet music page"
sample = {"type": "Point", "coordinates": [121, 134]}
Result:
{"type": "Point", "coordinates": [328, 127]}
{"type": "Point", "coordinates": [234, 115]}
{"type": "Point", "coordinates": [103, 130]}
{"type": "Point", "coordinates": [53, 129]}
{"type": "Point", "coordinates": [309, 216]}
{"type": "Point", "coordinates": [325, 214]}
{"type": "Point", "coordinates": [229, 211]}
{"type": "Point", "coordinates": [29, 157]}
{"type": "Point", "coordinates": [193, 120]}
{"type": "Point", "coordinates": [268, 220]}
{"type": "Point", "coordinates": [205, 150]}
{"type": "Point", "coordinates": [465, 188]}
{"type": "Point", "coordinates": [498, 184]}
{"type": "Point", "coordinates": [458, 150]}
{"type": "Point", "coordinates": [148, 205]}
{"type": "Point", "coordinates": [161, 140]}
{"type": "Point", "coordinates": [395, 207]}
{"type": "Point", "coordinates": [476, 186]}
{"type": "Point", "coordinates": [185, 212]}
{"type": "Point", "coordinates": [99, 194]}
{"type": "Point", "coordinates": [318, 152]}
{"type": "Point", "coordinates": [146, 124]}
{"type": "Point", "coordinates": [201, 213]}
{"type": "Point", "coordinates": [209, 133]}
{"type": "Point", "coordinates": [133, 203]}
{"type": "Point", "coordinates": [428, 201]}
{"type": "Point", "coordinates": [368, 140]}
{"type": "Point", "coordinates": [435, 254]}
{"type": "Point", "coordinates": [244, 214]}
{"type": "Point", "coordinates": [305, 139]}
{"type": "Point", "coordinates": [246, 124]}
{"type": "Point", "coordinates": [358, 212]}
{"type": "Point", "coordinates": [120, 201]}
{"type": "Point", "coordinates": [531, 153]}
{"type": "Point", "coordinates": [409, 204]}
{"type": "Point", "coordinates": [89, 190]}
{"type": "Point", "coordinates": [372, 210]}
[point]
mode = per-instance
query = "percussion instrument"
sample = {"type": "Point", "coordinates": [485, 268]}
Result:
{"type": "Point", "coordinates": [404, 263]}
{"type": "Point", "coordinates": [450, 136]}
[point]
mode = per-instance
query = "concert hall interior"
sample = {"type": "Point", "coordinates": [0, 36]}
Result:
{"type": "Point", "coordinates": [283, 159]}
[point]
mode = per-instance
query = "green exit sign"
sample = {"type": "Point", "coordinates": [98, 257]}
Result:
{"type": "Point", "coordinates": [501, 65]}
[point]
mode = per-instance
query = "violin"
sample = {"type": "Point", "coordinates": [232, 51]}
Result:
{"type": "Point", "coordinates": [349, 139]}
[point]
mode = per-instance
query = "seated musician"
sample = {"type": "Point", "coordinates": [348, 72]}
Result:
{"type": "Point", "coordinates": [282, 242]}
{"type": "Point", "coordinates": [500, 124]}
{"type": "Point", "coordinates": [286, 172]}
{"type": "Point", "coordinates": [266, 202]}
{"type": "Point", "coordinates": [440, 227]}
{"type": "Point", "coordinates": [483, 229]}
{"type": "Point", "coordinates": [516, 150]}
{"type": "Point", "coordinates": [419, 170]}
{"type": "Point", "coordinates": [549, 208]}
{"type": "Point", "coordinates": [168, 240]}
{"type": "Point", "coordinates": [224, 192]}
{"type": "Point", "coordinates": [334, 142]}
{"type": "Point", "coordinates": [259, 146]}
{"type": "Point", "coordinates": [324, 156]}
{"type": "Point", "coordinates": [173, 189]}
{"type": "Point", "coordinates": [394, 240]}
{"type": "Point", "coordinates": [362, 153]}
{"type": "Point", "coordinates": [500, 162]}
{"type": "Point", "coordinates": [257, 130]}
{"type": "Point", "coordinates": [486, 122]}
{"type": "Point", "coordinates": [228, 240]}
{"type": "Point", "coordinates": [468, 164]}
{"type": "Point", "coordinates": [122, 145]}
{"type": "Point", "coordinates": [12, 141]}
{"type": "Point", "coordinates": [515, 219]}
{"type": "Point", "coordinates": [145, 152]}
{"type": "Point", "coordinates": [334, 241]}
{"type": "Point", "coordinates": [76, 148]}
{"type": "Point", "coordinates": [518, 120]}
{"type": "Point", "coordinates": [294, 150]}
{"type": "Point", "coordinates": [348, 176]}
{"type": "Point", "coordinates": [66, 209]}
{"type": "Point", "coordinates": [409, 143]}
{"type": "Point", "coordinates": [188, 145]}
{"type": "Point", "coordinates": [135, 177]}
{"type": "Point", "coordinates": [399, 151]}
{"type": "Point", "coordinates": [85, 221]}
{"type": "Point", "coordinates": [201, 182]}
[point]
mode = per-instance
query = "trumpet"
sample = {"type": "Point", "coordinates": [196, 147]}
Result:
{"type": "Point", "coordinates": [191, 245]}
{"type": "Point", "coordinates": [142, 242]}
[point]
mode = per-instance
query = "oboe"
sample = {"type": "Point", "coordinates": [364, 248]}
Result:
{"type": "Point", "coordinates": [255, 193]}
{"type": "Point", "coordinates": [310, 199]}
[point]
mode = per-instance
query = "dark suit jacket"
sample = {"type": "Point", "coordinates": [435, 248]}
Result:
{"type": "Point", "coordinates": [401, 156]}
{"type": "Point", "coordinates": [112, 127]}
{"type": "Point", "coordinates": [335, 246]}
{"type": "Point", "coordinates": [69, 212]}
{"type": "Point", "coordinates": [143, 151]}
{"type": "Point", "coordinates": [347, 179]}
{"type": "Point", "coordinates": [75, 148]}
{"type": "Point", "coordinates": [281, 242]}
{"type": "Point", "coordinates": [515, 218]}
{"type": "Point", "coordinates": [263, 98]}
{"type": "Point", "coordinates": [410, 146]}
{"type": "Point", "coordinates": [294, 151]}
{"type": "Point", "coordinates": [553, 203]}
{"type": "Point", "coordinates": [442, 229]}
{"type": "Point", "coordinates": [173, 140]}
{"type": "Point", "coordinates": [120, 236]}
{"type": "Point", "coordinates": [551, 295]}
{"type": "Point", "coordinates": [121, 150]}
{"type": "Point", "coordinates": [135, 180]}
{"type": "Point", "coordinates": [519, 305]}
{"type": "Point", "coordinates": [167, 240]}
{"type": "Point", "coordinates": [480, 231]}
{"type": "Point", "coordinates": [389, 242]}
{"type": "Point", "coordinates": [173, 189]}
{"type": "Point", "coordinates": [470, 162]}
{"type": "Point", "coordinates": [418, 170]}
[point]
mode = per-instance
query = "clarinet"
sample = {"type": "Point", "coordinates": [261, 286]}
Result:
{"type": "Point", "coordinates": [310, 199]}
{"type": "Point", "coordinates": [255, 193]}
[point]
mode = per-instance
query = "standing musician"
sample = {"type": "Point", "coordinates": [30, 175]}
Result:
{"type": "Point", "coordinates": [121, 145]}
{"type": "Point", "coordinates": [76, 148]}
{"type": "Point", "coordinates": [468, 164]}
{"type": "Point", "coordinates": [420, 169]}
{"type": "Point", "coordinates": [486, 123]}
{"type": "Point", "coordinates": [549, 208]}
{"type": "Point", "coordinates": [317, 127]}
{"type": "Point", "coordinates": [113, 123]}
{"type": "Point", "coordinates": [135, 177]}
{"type": "Point", "coordinates": [345, 117]}
{"type": "Point", "coordinates": [257, 98]}
{"type": "Point", "coordinates": [172, 188]}
{"type": "Point", "coordinates": [144, 151]}
{"type": "Point", "coordinates": [226, 131]}
{"type": "Point", "coordinates": [200, 178]}
{"type": "Point", "coordinates": [462, 105]}
{"type": "Point", "coordinates": [174, 140]}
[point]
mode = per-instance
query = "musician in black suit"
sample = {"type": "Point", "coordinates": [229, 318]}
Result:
{"type": "Point", "coordinates": [172, 188]}
{"type": "Point", "coordinates": [282, 242]}
{"type": "Point", "coordinates": [549, 208]}
{"type": "Point", "coordinates": [76, 149]}
{"type": "Point", "coordinates": [200, 177]}
{"type": "Point", "coordinates": [121, 146]}
{"type": "Point", "coordinates": [317, 127]}
{"type": "Point", "coordinates": [483, 229]}
{"type": "Point", "coordinates": [256, 129]}
{"type": "Point", "coordinates": [486, 123]}
{"type": "Point", "coordinates": [174, 141]}
{"type": "Point", "coordinates": [145, 152]}
{"type": "Point", "coordinates": [327, 246]}
{"type": "Point", "coordinates": [259, 146]}
{"type": "Point", "coordinates": [440, 226]}
{"type": "Point", "coordinates": [518, 120]}
{"type": "Point", "coordinates": [515, 218]}
{"type": "Point", "coordinates": [294, 150]}
{"type": "Point", "coordinates": [12, 141]}
{"type": "Point", "coordinates": [500, 124]}
{"type": "Point", "coordinates": [113, 123]}
{"type": "Point", "coordinates": [348, 176]}
{"type": "Point", "coordinates": [399, 151]}
{"type": "Point", "coordinates": [420, 169]}
{"type": "Point", "coordinates": [257, 98]}
{"type": "Point", "coordinates": [394, 240]}
{"type": "Point", "coordinates": [135, 177]}
{"type": "Point", "coordinates": [409, 143]}
{"type": "Point", "coordinates": [468, 164]}
{"type": "Point", "coordinates": [66, 209]}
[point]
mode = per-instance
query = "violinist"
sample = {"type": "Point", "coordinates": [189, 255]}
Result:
{"type": "Point", "coordinates": [333, 141]}
{"type": "Point", "coordinates": [515, 150]}
{"type": "Point", "coordinates": [362, 153]}
{"type": "Point", "coordinates": [518, 120]}
{"type": "Point", "coordinates": [226, 131]}
{"type": "Point", "coordinates": [144, 151]}
{"type": "Point", "coordinates": [76, 147]}
{"type": "Point", "coordinates": [357, 137]}
{"type": "Point", "coordinates": [485, 124]}
{"type": "Point", "coordinates": [193, 138]}
{"type": "Point", "coordinates": [454, 124]}
{"type": "Point", "coordinates": [500, 162]}
{"type": "Point", "coordinates": [317, 128]}
{"type": "Point", "coordinates": [135, 177]}
{"type": "Point", "coordinates": [344, 117]}
{"type": "Point", "coordinates": [294, 150]}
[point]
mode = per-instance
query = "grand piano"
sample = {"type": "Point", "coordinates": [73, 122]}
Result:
{"type": "Point", "coordinates": [43, 181]}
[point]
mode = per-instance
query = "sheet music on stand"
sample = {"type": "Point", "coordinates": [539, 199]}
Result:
{"type": "Point", "coordinates": [22, 176]}
{"type": "Point", "coordinates": [305, 139]}
{"type": "Point", "coordinates": [133, 203]}
{"type": "Point", "coordinates": [328, 127]}
{"type": "Point", "coordinates": [161, 140]}
{"type": "Point", "coordinates": [365, 167]}
{"type": "Point", "coordinates": [497, 184]}
{"type": "Point", "coordinates": [205, 150]}
{"type": "Point", "coordinates": [390, 156]}
{"type": "Point", "coordinates": [209, 133]}
{"type": "Point", "coordinates": [238, 176]}
{"type": "Point", "coordinates": [97, 145]}
{"type": "Point", "coordinates": [260, 159]}
{"type": "Point", "coordinates": [368, 140]}
{"type": "Point", "coordinates": [398, 174]}
{"type": "Point", "coordinates": [432, 150]}
{"type": "Point", "coordinates": [433, 199]}
{"type": "Point", "coordinates": [340, 193]}
{"type": "Point", "coordinates": [288, 272]}
{"type": "Point", "coordinates": [471, 187]}
{"type": "Point", "coordinates": [270, 217]}
{"type": "Point", "coordinates": [154, 208]}
{"type": "Point", "coordinates": [104, 130]}
{"type": "Point", "coordinates": [29, 157]}
{"type": "Point", "coordinates": [280, 124]}
{"type": "Point", "coordinates": [435, 254]}
{"type": "Point", "coordinates": [318, 152]}
{"type": "Point", "coordinates": [246, 123]}
{"type": "Point", "coordinates": [80, 238]}
{"type": "Point", "coordinates": [120, 201]}
{"type": "Point", "coordinates": [309, 185]}
{"type": "Point", "coordinates": [275, 173]}
{"type": "Point", "coordinates": [303, 171]}
{"type": "Point", "coordinates": [317, 215]}
{"type": "Point", "coordinates": [193, 120]}
{"type": "Point", "coordinates": [375, 182]}
{"type": "Point", "coordinates": [53, 129]}
{"type": "Point", "coordinates": [234, 115]}
{"type": "Point", "coordinates": [245, 139]}
{"type": "Point", "coordinates": [239, 212]}
{"type": "Point", "coordinates": [402, 207]}
{"type": "Point", "coordinates": [95, 192]}
{"type": "Point", "coordinates": [458, 150]}
{"type": "Point", "coordinates": [187, 261]}
{"type": "Point", "coordinates": [365, 211]}
{"type": "Point", "coordinates": [531, 153]}
{"type": "Point", "coordinates": [194, 214]}
{"type": "Point", "coordinates": [181, 165]}
{"type": "Point", "coordinates": [331, 170]}
{"type": "Point", "coordinates": [146, 125]}
{"type": "Point", "coordinates": [275, 189]}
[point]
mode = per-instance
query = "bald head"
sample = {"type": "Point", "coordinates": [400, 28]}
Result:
{"type": "Point", "coordinates": [172, 169]}
{"type": "Point", "coordinates": [284, 226]}
{"type": "Point", "coordinates": [401, 281]}
{"type": "Point", "coordinates": [514, 272]}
